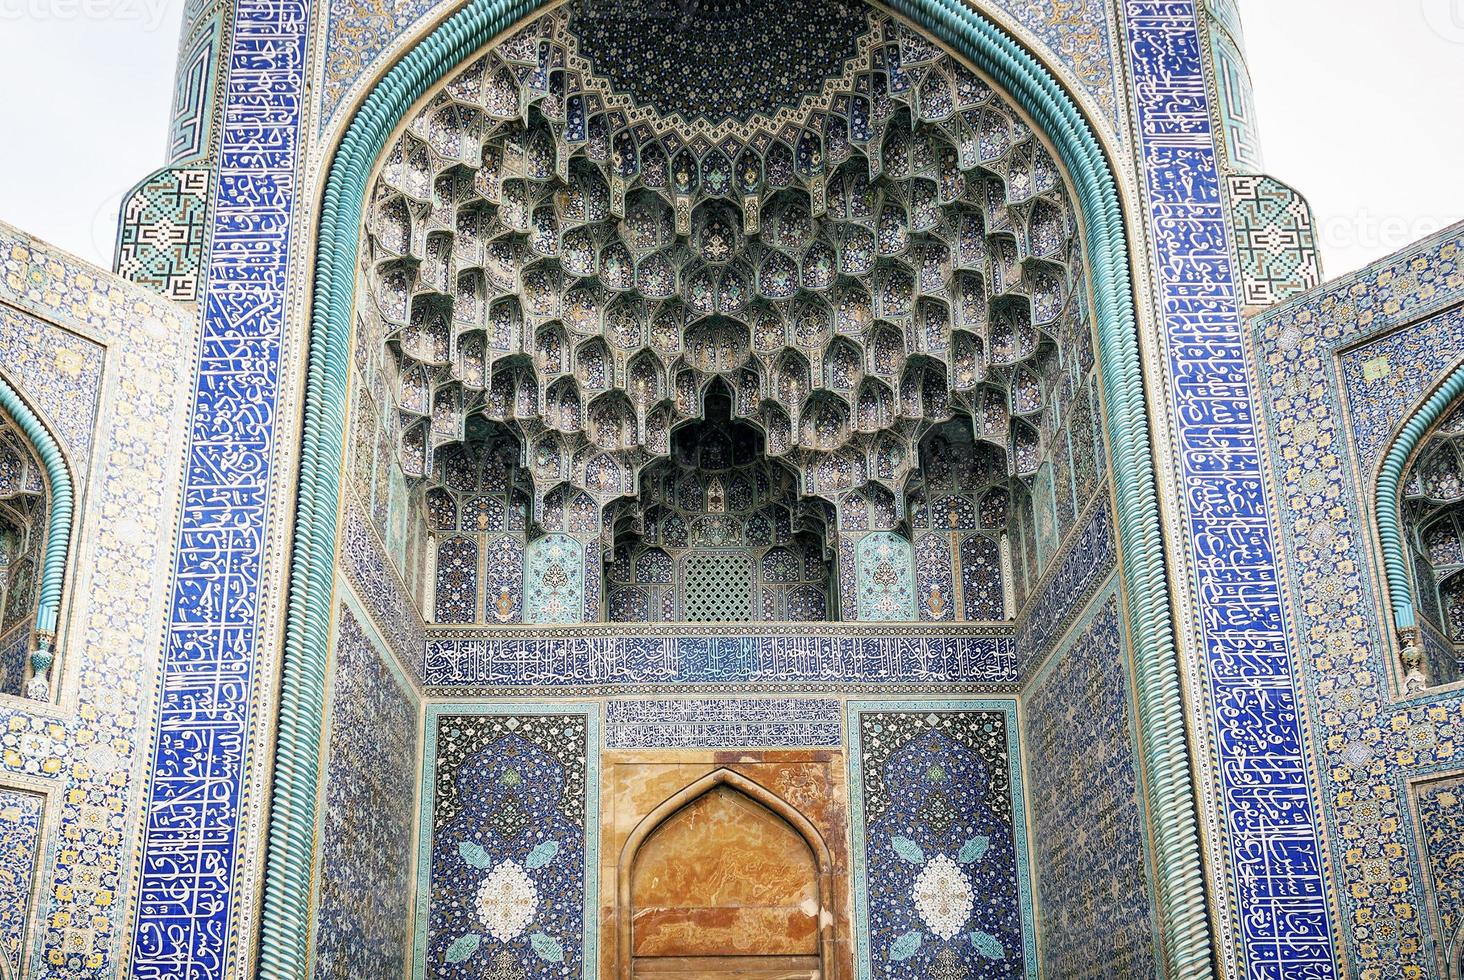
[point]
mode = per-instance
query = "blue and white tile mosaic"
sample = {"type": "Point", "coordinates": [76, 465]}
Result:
{"type": "Point", "coordinates": [1385, 378]}
{"type": "Point", "coordinates": [111, 640]}
{"type": "Point", "coordinates": [365, 849]}
{"type": "Point", "coordinates": [21, 815]}
{"type": "Point", "coordinates": [1440, 807]}
{"type": "Point", "coordinates": [375, 580]}
{"type": "Point", "coordinates": [723, 723]}
{"type": "Point", "coordinates": [941, 884]}
{"type": "Point", "coordinates": [597, 658]}
{"type": "Point", "coordinates": [1368, 744]}
{"type": "Point", "coordinates": [1097, 913]}
{"type": "Point", "coordinates": [60, 373]}
{"type": "Point", "coordinates": [507, 853]}
{"type": "Point", "coordinates": [1076, 575]}
{"type": "Point", "coordinates": [186, 891]}
{"type": "Point", "coordinates": [1270, 821]}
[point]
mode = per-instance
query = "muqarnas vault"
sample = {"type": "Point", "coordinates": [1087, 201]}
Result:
{"type": "Point", "coordinates": [727, 489]}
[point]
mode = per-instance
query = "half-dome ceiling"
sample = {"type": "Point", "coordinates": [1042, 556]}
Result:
{"type": "Point", "coordinates": [900, 251]}
{"type": "Point", "coordinates": [717, 62]}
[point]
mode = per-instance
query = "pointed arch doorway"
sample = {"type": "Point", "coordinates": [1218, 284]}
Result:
{"type": "Point", "coordinates": [724, 880]}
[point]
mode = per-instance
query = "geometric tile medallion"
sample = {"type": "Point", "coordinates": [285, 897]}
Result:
{"type": "Point", "coordinates": [21, 815]}
{"type": "Point", "coordinates": [940, 850]}
{"type": "Point", "coordinates": [507, 881]}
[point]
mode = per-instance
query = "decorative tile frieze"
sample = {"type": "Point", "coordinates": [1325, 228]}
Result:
{"type": "Point", "coordinates": [723, 723]}
{"type": "Point", "coordinates": [198, 780]}
{"type": "Point", "coordinates": [600, 657]}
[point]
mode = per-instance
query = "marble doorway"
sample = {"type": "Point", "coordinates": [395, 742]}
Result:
{"type": "Point", "coordinates": [722, 879]}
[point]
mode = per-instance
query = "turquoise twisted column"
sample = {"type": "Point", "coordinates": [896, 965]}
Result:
{"type": "Point", "coordinates": [1388, 503]}
{"type": "Point", "coordinates": [58, 530]}
{"type": "Point", "coordinates": [1183, 911]}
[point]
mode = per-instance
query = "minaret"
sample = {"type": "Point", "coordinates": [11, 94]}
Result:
{"type": "Point", "coordinates": [1273, 232]}
{"type": "Point", "coordinates": [1236, 104]}
{"type": "Point", "coordinates": [163, 223]}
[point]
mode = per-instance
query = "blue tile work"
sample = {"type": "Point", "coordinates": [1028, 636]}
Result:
{"type": "Point", "coordinates": [15, 657]}
{"type": "Point", "coordinates": [885, 578]}
{"type": "Point", "coordinates": [21, 815]}
{"type": "Point", "coordinates": [1088, 864]}
{"type": "Point", "coordinates": [1079, 34]}
{"type": "Point", "coordinates": [767, 57]}
{"type": "Point", "coordinates": [1270, 822]}
{"type": "Point", "coordinates": [1440, 807]}
{"type": "Point", "coordinates": [358, 31]}
{"type": "Point", "coordinates": [598, 657]}
{"type": "Point", "coordinates": [941, 884]}
{"type": "Point", "coordinates": [1385, 378]}
{"type": "Point", "coordinates": [60, 373]}
{"type": "Point", "coordinates": [1232, 77]}
{"type": "Point", "coordinates": [193, 102]}
{"type": "Point", "coordinates": [365, 851]}
{"type": "Point", "coordinates": [191, 832]}
{"type": "Point", "coordinates": [375, 580]}
{"type": "Point", "coordinates": [1369, 744]}
{"type": "Point", "coordinates": [1075, 577]}
{"type": "Point", "coordinates": [88, 747]}
{"type": "Point", "coordinates": [723, 723]}
{"type": "Point", "coordinates": [507, 852]}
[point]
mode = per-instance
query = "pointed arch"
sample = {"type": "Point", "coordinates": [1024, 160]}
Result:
{"type": "Point", "coordinates": [679, 801]}
{"type": "Point", "coordinates": [1183, 909]}
{"type": "Point", "coordinates": [1388, 508]}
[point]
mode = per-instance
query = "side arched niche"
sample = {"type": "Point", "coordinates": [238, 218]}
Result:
{"type": "Point", "coordinates": [724, 879]}
{"type": "Point", "coordinates": [1432, 505]}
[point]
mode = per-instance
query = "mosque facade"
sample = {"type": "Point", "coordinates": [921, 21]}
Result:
{"type": "Point", "coordinates": [727, 488]}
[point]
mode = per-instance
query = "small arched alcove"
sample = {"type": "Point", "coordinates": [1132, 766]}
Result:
{"type": "Point", "coordinates": [724, 879]}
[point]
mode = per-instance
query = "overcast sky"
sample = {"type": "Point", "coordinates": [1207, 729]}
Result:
{"type": "Point", "coordinates": [1360, 103]}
